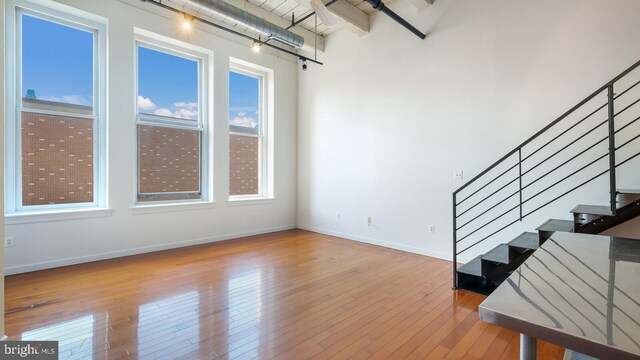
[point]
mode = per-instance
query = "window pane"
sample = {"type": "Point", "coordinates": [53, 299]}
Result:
{"type": "Point", "coordinates": [244, 103]}
{"type": "Point", "coordinates": [169, 163]}
{"type": "Point", "coordinates": [244, 153]}
{"type": "Point", "coordinates": [244, 137]}
{"type": "Point", "coordinates": [57, 159]}
{"type": "Point", "coordinates": [167, 85]}
{"type": "Point", "coordinates": [57, 62]}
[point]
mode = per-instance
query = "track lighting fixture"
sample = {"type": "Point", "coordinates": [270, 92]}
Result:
{"type": "Point", "coordinates": [187, 22]}
{"type": "Point", "coordinates": [255, 45]}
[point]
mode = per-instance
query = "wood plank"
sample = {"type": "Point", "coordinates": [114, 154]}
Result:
{"type": "Point", "coordinates": [287, 295]}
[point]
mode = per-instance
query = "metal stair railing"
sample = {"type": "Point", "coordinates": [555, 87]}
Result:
{"type": "Point", "coordinates": [522, 162]}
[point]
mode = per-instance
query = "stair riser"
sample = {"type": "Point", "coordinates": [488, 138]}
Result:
{"type": "Point", "coordinates": [626, 199]}
{"type": "Point", "coordinates": [582, 219]}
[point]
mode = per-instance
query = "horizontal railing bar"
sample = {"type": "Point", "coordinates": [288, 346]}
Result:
{"type": "Point", "coordinates": [573, 189]}
{"type": "Point", "coordinates": [564, 148]}
{"type": "Point", "coordinates": [627, 107]}
{"type": "Point", "coordinates": [547, 203]}
{"type": "Point", "coordinates": [565, 178]}
{"type": "Point", "coordinates": [627, 143]}
{"type": "Point", "coordinates": [564, 163]}
{"type": "Point", "coordinates": [486, 170]}
{"type": "Point", "coordinates": [622, 74]}
{"type": "Point", "coordinates": [629, 124]}
{"type": "Point", "coordinates": [579, 122]}
{"type": "Point", "coordinates": [483, 226]}
{"type": "Point", "coordinates": [489, 209]}
{"type": "Point", "coordinates": [565, 131]}
{"type": "Point", "coordinates": [553, 123]}
{"type": "Point", "coordinates": [487, 184]}
{"type": "Point", "coordinates": [488, 236]}
{"type": "Point", "coordinates": [628, 89]}
{"type": "Point", "coordinates": [488, 196]}
{"type": "Point", "coordinates": [629, 159]}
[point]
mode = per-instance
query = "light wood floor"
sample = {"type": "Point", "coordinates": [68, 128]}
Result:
{"type": "Point", "coordinates": [286, 295]}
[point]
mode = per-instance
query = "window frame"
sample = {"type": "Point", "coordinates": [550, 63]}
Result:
{"type": "Point", "coordinates": [76, 19]}
{"type": "Point", "coordinates": [204, 59]}
{"type": "Point", "coordinates": [265, 129]}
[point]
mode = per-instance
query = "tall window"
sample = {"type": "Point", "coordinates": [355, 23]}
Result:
{"type": "Point", "coordinates": [171, 123]}
{"type": "Point", "coordinates": [249, 129]}
{"type": "Point", "coordinates": [55, 138]}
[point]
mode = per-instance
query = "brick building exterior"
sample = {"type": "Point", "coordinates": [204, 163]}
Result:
{"type": "Point", "coordinates": [57, 158]}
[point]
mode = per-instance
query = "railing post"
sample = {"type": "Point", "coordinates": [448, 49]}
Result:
{"type": "Point", "coordinates": [612, 150]}
{"type": "Point", "coordinates": [455, 244]}
{"type": "Point", "coordinates": [520, 178]}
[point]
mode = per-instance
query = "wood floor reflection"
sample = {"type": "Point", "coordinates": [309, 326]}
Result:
{"type": "Point", "coordinates": [287, 295]}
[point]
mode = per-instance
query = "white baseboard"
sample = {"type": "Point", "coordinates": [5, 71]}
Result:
{"type": "Point", "coordinates": [141, 250]}
{"type": "Point", "coordinates": [390, 245]}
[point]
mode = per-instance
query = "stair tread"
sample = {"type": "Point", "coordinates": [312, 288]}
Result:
{"type": "Point", "coordinates": [498, 254]}
{"type": "Point", "coordinates": [526, 240]}
{"type": "Point", "coordinates": [592, 210]}
{"type": "Point", "coordinates": [556, 225]}
{"type": "Point", "coordinates": [473, 267]}
{"type": "Point", "coordinates": [629, 191]}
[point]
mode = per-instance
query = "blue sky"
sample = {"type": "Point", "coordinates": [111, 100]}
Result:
{"type": "Point", "coordinates": [57, 63]}
{"type": "Point", "coordinates": [167, 84]}
{"type": "Point", "coordinates": [243, 100]}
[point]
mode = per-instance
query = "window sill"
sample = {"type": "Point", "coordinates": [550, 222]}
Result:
{"type": "Point", "coordinates": [159, 208]}
{"type": "Point", "coordinates": [250, 201]}
{"type": "Point", "coordinates": [57, 215]}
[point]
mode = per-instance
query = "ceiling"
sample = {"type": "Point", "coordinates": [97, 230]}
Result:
{"type": "Point", "coordinates": [285, 8]}
{"type": "Point", "coordinates": [351, 14]}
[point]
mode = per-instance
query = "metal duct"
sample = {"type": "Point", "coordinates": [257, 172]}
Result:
{"type": "Point", "coordinates": [270, 30]}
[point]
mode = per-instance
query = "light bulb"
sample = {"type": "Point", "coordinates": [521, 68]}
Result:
{"type": "Point", "coordinates": [186, 23]}
{"type": "Point", "coordinates": [255, 46]}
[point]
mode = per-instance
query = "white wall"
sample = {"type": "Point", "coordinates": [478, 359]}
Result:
{"type": "Point", "coordinates": [389, 117]}
{"type": "Point", "coordinates": [55, 243]}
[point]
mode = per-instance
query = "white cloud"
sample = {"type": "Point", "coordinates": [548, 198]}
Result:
{"type": "Point", "coordinates": [186, 105]}
{"type": "Point", "coordinates": [186, 114]}
{"type": "Point", "coordinates": [163, 112]}
{"type": "Point", "coordinates": [68, 99]}
{"type": "Point", "coordinates": [241, 113]}
{"type": "Point", "coordinates": [243, 121]}
{"type": "Point", "coordinates": [181, 109]}
{"type": "Point", "coordinates": [145, 103]}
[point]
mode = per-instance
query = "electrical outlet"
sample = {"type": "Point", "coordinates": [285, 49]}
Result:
{"type": "Point", "coordinates": [431, 229]}
{"type": "Point", "coordinates": [8, 242]}
{"type": "Point", "coordinates": [457, 175]}
{"type": "Point", "coordinates": [369, 220]}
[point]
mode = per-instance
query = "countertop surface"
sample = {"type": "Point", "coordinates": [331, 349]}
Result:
{"type": "Point", "coordinates": [578, 291]}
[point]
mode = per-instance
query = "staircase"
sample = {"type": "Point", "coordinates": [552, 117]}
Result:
{"type": "Point", "coordinates": [594, 143]}
{"type": "Point", "coordinates": [485, 272]}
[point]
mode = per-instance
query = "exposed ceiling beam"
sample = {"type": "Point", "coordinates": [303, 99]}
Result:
{"type": "Point", "coordinates": [355, 19]}
{"type": "Point", "coordinates": [421, 4]}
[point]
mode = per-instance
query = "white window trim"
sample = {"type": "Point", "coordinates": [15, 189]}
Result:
{"type": "Point", "coordinates": [266, 162]}
{"type": "Point", "coordinates": [66, 15]}
{"type": "Point", "coordinates": [204, 57]}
